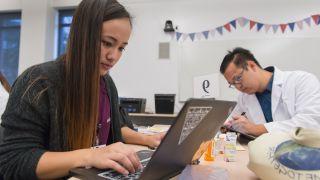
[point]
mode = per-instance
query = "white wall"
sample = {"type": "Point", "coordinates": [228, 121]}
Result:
{"type": "Point", "coordinates": [140, 73]}
{"type": "Point", "coordinates": [10, 5]}
{"type": "Point", "coordinates": [37, 30]}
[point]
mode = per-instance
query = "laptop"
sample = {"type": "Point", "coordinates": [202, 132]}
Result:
{"type": "Point", "coordinates": [197, 122]}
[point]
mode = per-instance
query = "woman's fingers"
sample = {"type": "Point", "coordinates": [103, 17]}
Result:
{"type": "Point", "coordinates": [125, 149]}
{"type": "Point", "coordinates": [115, 155]}
{"type": "Point", "coordinates": [124, 160]}
{"type": "Point", "coordinates": [116, 166]}
{"type": "Point", "coordinates": [134, 159]}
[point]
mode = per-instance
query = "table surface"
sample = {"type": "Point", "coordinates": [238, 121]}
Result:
{"type": "Point", "coordinates": [236, 170]}
{"type": "Point", "coordinates": [152, 115]}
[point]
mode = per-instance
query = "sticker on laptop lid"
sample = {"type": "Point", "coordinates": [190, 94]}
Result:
{"type": "Point", "coordinates": [193, 118]}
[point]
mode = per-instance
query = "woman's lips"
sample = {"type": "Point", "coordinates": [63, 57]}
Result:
{"type": "Point", "coordinates": [106, 66]}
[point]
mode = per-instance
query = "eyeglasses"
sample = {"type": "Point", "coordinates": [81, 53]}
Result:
{"type": "Point", "coordinates": [236, 80]}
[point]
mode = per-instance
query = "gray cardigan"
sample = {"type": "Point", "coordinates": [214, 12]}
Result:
{"type": "Point", "coordinates": [32, 124]}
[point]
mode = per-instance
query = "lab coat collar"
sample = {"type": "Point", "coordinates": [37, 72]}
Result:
{"type": "Point", "coordinates": [278, 80]}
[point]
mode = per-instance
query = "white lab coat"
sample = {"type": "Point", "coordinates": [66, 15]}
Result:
{"type": "Point", "coordinates": [295, 102]}
{"type": "Point", "coordinates": [3, 100]}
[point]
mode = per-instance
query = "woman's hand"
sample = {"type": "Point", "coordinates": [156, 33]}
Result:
{"type": "Point", "coordinates": [132, 137]}
{"type": "Point", "coordinates": [154, 140]}
{"type": "Point", "coordinates": [117, 156]}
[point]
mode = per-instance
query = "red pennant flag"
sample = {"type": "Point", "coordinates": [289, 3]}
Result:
{"type": "Point", "coordinates": [283, 27]}
{"type": "Point", "coordinates": [227, 26]}
{"type": "Point", "coordinates": [252, 23]}
{"type": "Point", "coordinates": [315, 19]}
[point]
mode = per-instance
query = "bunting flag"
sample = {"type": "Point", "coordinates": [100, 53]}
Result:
{"type": "Point", "coordinates": [205, 34]}
{"type": "Point", "coordinates": [212, 32]}
{"type": "Point", "coordinates": [172, 36]}
{"type": "Point", "coordinates": [198, 35]}
{"type": "Point", "coordinates": [178, 35]}
{"type": "Point", "coordinates": [185, 37]}
{"type": "Point", "coordinates": [275, 28]}
{"type": "Point", "coordinates": [291, 26]}
{"type": "Point", "coordinates": [283, 27]}
{"type": "Point", "coordinates": [220, 30]}
{"type": "Point", "coordinates": [307, 21]}
{"type": "Point", "coordinates": [252, 23]}
{"type": "Point", "coordinates": [242, 21]}
{"type": "Point", "coordinates": [234, 24]}
{"type": "Point", "coordinates": [313, 20]}
{"type": "Point", "coordinates": [267, 27]}
{"type": "Point", "coordinates": [227, 27]}
{"type": "Point", "coordinates": [259, 26]}
{"type": "Point", "coordinates": [191, 35]}
{"type": "Point", "coordinates": [300, 24]}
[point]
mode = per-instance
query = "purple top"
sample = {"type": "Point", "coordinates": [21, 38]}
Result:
{"type": "Point", "coordinates": [104, 115]}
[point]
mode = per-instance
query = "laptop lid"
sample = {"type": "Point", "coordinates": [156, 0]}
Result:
{"type": "Point", "coordinates": [198, 121]}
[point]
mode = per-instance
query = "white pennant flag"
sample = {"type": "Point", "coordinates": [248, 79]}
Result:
{"type": "Point", "coordinates": [267, 27]}
{"type": "Point", "coordinates": [300, 24]}
{"type": "Point", "coordinates": [184, 36]}
{"type": "Point", "coordinates": [198, 35]}
{"type": "Point", "coordinates": [212, 32]}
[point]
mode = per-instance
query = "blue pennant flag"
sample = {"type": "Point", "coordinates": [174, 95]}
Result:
{"type": "Point", "coordinates": [220, 30]}
{"type": "Point", "coordinates": [233, 24]}
{"type": "Point", "coordinates": [206, 34]}
{"type": "Point", "coordinates": [191, 35]}
{"type": "Point", "coordinates": [275, 28]}
{"type": "Point", "coordinates": [307, 20]}
{"type": "Point", "coordinates": [178, 35]}
{"type": "Point", "coordinates": [291, 26]}
{"type": "Point", "coordinates": [259, 26]}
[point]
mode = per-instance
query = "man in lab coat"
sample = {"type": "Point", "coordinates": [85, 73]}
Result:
{"type": "Point", "coordinates": [271, 100]}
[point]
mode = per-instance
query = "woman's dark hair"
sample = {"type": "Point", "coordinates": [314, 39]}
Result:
{"type": "Point", "coordinates": [81, 83]}
{"type": "Point", "coordinates": [239, 56]}
{"type": "Point", "coordinates": [5, 83]}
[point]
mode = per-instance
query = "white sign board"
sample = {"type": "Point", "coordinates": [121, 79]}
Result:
{"type": "Point", "coordinates": [206, 86]}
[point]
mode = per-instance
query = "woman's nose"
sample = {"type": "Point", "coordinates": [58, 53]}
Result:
{"type": "Point", "coordinates": [112, 55]}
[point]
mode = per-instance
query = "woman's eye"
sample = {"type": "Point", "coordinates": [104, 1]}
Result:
{"type": "Point", "coordinates": [106, 43]}
{"type": "Point", "coordinates": [121, 49]}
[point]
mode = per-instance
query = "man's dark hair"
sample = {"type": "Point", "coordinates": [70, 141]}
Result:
{"type": "Point", "coordinates": [239, 56]}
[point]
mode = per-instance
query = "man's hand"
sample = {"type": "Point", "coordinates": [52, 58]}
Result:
{"type": "Point", "coordinates": [244, 125]}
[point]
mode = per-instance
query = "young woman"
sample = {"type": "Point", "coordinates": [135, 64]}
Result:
{"type": "Point", "coordinates": [58, 110]}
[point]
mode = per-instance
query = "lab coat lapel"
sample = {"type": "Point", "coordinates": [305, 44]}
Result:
{"type": "Point", "coordinates": [276, 89]}
{"type": "Point", "coordinates": [255, 110]}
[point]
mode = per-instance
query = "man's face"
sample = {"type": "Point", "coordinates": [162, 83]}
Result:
{"type": "Point", "coordinates": [245, 80]}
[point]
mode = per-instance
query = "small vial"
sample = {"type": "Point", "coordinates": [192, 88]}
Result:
{"type": "Point", "coordinates": [220, 143]}
{"type": "Point", "coordinates": [230, 147]}
{"type": "Point", "coordinates": [208, 154]}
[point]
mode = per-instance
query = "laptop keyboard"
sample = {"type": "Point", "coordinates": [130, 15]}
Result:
{"type": "Point", "coordinates": [144, 155]}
